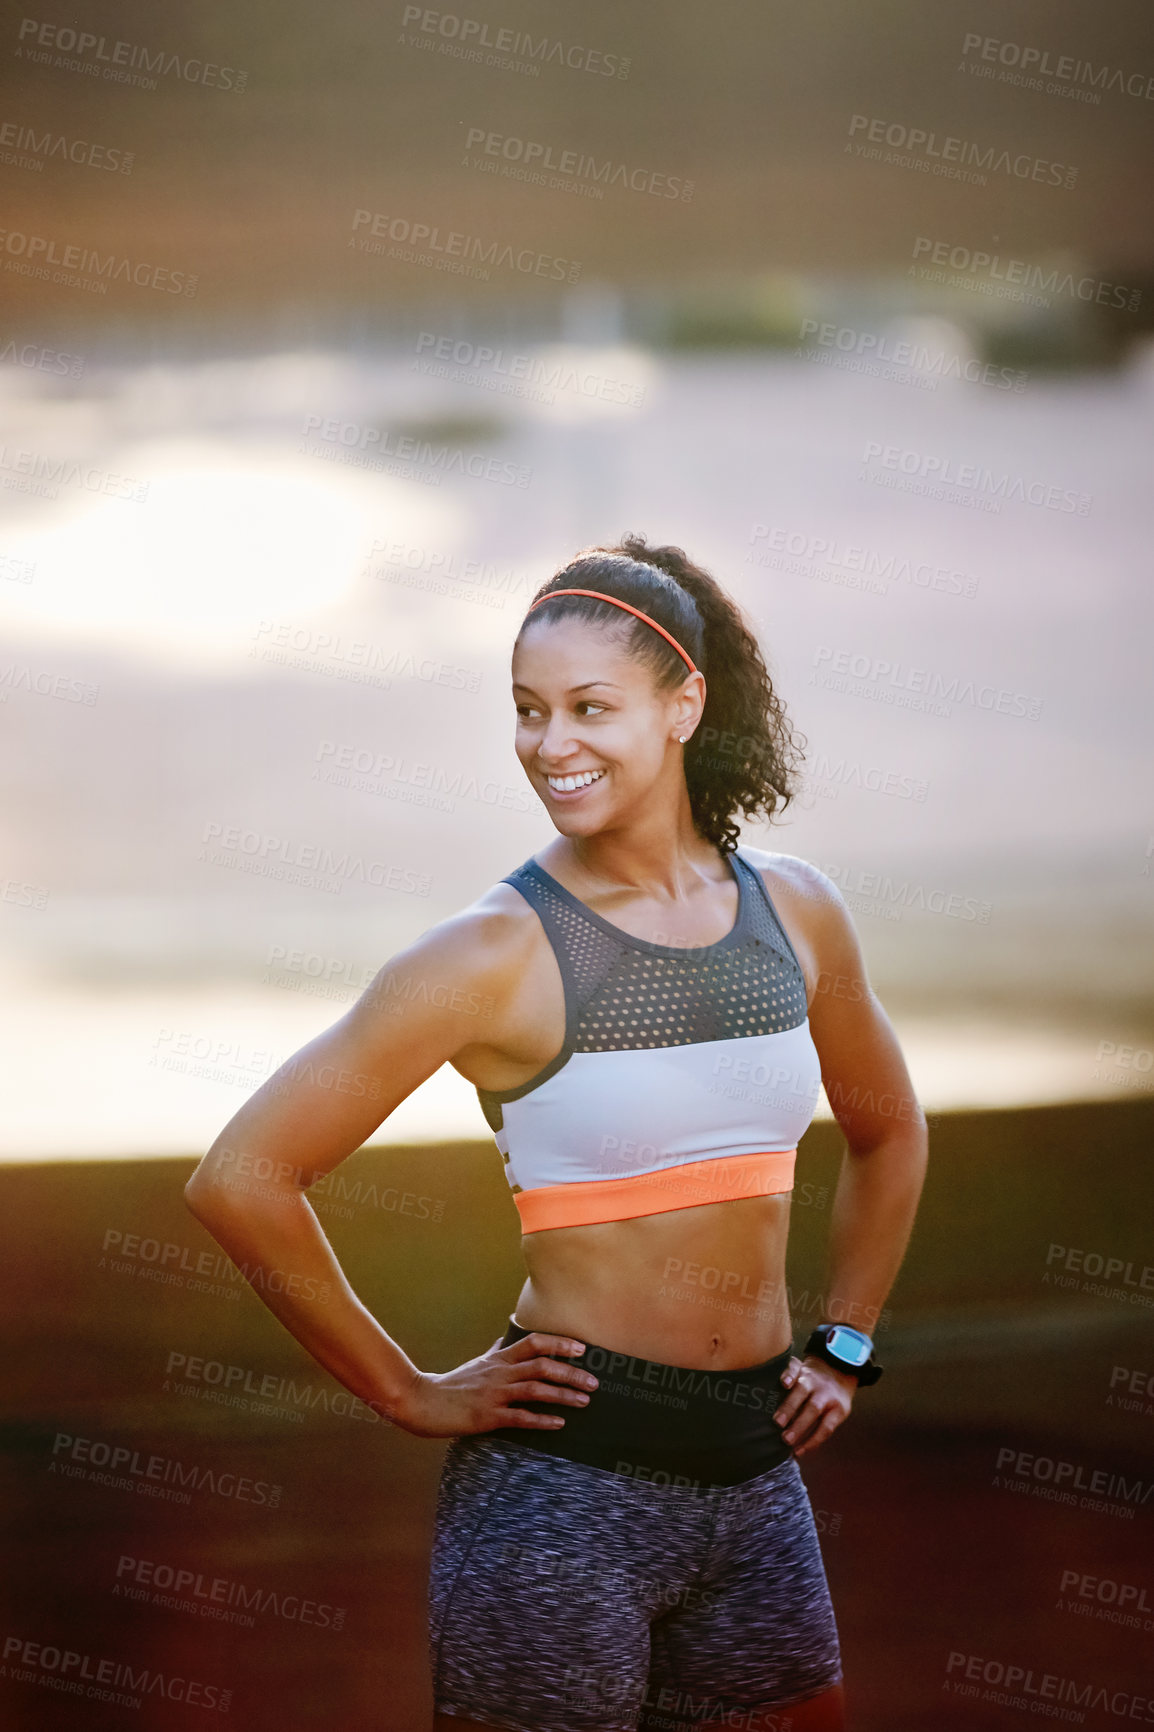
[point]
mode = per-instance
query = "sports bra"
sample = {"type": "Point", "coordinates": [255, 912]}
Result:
{"type": "Point", "coordinates": [687, 1075]}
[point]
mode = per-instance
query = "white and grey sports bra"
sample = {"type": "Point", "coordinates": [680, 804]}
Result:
{"type": "Point", "coordinates": [687, 1076]}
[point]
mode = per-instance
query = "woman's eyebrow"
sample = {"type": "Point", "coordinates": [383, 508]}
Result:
{"type": "Point", "coordinates": [517, 687]}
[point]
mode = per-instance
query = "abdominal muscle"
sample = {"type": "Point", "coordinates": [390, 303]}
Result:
{"type": "Point", "coordinates": [701, 1287]}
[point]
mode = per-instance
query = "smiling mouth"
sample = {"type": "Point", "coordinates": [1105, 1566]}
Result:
{"type": "Point", "coordinates": [573, 784]}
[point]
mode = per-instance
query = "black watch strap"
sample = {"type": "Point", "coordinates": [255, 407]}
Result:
{"type": "Point", "coordinates": [816, 1345]}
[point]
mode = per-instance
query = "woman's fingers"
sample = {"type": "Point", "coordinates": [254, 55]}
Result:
{"type": "Point", "coordinates": [520, 1416]}
{"type": "Point", "coordinates": [826, 1426]}
{"type": "Point", "coordinates": [541, 1367]}
{"type": "Point", "coordinates": [817, 1403]}
{"type": "Point", "coordinates": [523, 1372]}
{"type": "Point", "coordinates": [797, 1425]}
{"type": "Point", "coordinates": [530, 1390]}
{"type": "Point", "coordinates": [820, 1414]}
{"type": "Point", "coordinates": [798, 1393]}
{"type": "Point", "coordinates": [530, 1346]}
{"type": "Point", "coordinates": [535, 1363]}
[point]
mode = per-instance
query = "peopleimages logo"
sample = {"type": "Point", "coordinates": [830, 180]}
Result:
{"type": "Point", "coordinates": [161, 1476]}
{"type": "Point", "coordinates": [43, 359]}
{"type": "Point", "coordinates": [219, 1597]}
{"type": "Point", "coordinates": [41, 146]}
{"type": "Point", "coordinates": [238, 1383]}
{"type": "Point", "coordinates": [511, 50]}
{"type": "Point", "coordinates": [877, 893]}
{"type": "Point", "coordinates": [943, 472]}
{"type": "Point", "coordinates": [953, 158]}
{"type": "Point", "coordinates": [104, 1679]}
{"type": "Point", "coordinates": [372, 771]}
{"type": "Point", "coordinates": [1062, 1479]}
{"type": "Point", "coordinates": [48, 685]}
{"type": "Point", "coordinates": [45, 475]}
{"type": "Point", "coordinates": [112, 60]}
{"type": "Point", "coordinates": [358, 437]}
{"type": "Point", "coordinates": [1105, 1600]}
{"type": "Point", "coordinates": [830, 775]}
{"type": "Point", "coordinates": [323, 868]}
{"type": "Point", "coordinates": [904, 356]}
{"type": "Point", "coordinates": [503, 370]}
{"type": "Point", "coordinates": [1034, 64]}
{"type": "Point", "coordinates": [1020, 1687]}
{"type": "Point", "coordinates": [810, 555]}
{"type": "Point", "coordinates": [1036, 280]}
{"type": "Point", "coordinates": [537, 158]}
{"type": "Point", "coordinates": [877, 677]}
{"type": "Point", "coordinates": [427, 244]}
{"type": "Point", "coordinates": [38, 255]}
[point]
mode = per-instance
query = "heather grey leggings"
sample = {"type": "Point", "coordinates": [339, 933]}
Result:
{"type": "Point", "coordinates": [566, 1598]}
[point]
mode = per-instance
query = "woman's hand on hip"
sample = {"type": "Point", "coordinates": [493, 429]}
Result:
{"type": "Point", "coordinates": [477, 1396]}
{"type": "Point", "coordinates": [819, 1399]}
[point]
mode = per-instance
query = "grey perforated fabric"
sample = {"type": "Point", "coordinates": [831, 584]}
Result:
{"type": "Point", "coordinates": [624, 993]}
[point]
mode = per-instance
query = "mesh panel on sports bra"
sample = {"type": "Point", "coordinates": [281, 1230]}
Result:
{"type": "Point", "coordinates": [627, 997]}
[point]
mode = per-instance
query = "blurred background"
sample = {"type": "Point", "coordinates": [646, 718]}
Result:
{"type": "Point", "coordinates": [323, 343]}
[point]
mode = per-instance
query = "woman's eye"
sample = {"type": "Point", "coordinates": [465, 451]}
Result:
{"type": "Point", "coordinates": [527, 712]}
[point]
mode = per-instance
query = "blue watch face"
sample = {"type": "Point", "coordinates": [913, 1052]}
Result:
{"type": "Point", "coordinates": [847, 1344]}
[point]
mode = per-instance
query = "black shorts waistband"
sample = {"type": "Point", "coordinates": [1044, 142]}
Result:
{"type": "Point", "coordinates": [666, 1424]}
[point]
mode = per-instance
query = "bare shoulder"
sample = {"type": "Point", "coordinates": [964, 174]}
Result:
{"type": "Point", "coordinates": [500, 923]}
{"type": "Point", "coordinates": [483, 942]}
{"type": "Point", "coordinates": [487, 932]}
{"type": "Point", "coordinates": [813, 911]}
{"type": "Point", "coordinates": [798, 878]}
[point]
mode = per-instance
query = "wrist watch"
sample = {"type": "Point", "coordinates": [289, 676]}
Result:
{"type": "Point", "coordinates": [846, 1350]}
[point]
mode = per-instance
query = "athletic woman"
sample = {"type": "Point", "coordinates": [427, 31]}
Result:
{"type": "Point", "coordinates": [623, 1537]}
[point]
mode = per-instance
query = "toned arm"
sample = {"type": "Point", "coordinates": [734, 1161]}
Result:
{"type": "Point", "coordinates": [872, 1099]}
{"type": "Point", "coordinates": [869, 1091]}
{"type": "Point", "coordinates": [322, 1105]}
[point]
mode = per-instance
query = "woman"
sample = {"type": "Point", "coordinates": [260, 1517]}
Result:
{"type": "Point", "coordinates": [623, 1538]}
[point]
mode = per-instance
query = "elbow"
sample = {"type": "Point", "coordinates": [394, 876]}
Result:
{"type": "Point", "coordinates": [221, 1219]}
{"type": "Point", "coordinates": [196, 1198]}
{"type": "Point", "coordinates": [204, 1197]}
{"type": "Point", "coordinates": [206, 1192]}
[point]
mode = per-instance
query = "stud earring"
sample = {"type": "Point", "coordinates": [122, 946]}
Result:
{"type": "Point", "coordinates": [681, 739]}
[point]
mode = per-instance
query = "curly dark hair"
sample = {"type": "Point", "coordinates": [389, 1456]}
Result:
{"type": "Point", "coordinates": [744, 754]}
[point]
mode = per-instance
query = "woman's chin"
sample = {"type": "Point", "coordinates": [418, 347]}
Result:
{"type": "Point", "coordinates": [577, 823]}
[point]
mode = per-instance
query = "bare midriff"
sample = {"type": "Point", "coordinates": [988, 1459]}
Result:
{"type": "Point", "coordinates": [702, 1287]}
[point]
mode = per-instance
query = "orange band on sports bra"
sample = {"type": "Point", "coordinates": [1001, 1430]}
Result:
{"type": "Point", "coordinates": [629, 608]}
{"type": "Point", "coordinates": [721, 1179]}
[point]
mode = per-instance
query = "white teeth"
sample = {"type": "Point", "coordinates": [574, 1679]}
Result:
{"type": "Point", "coordinates": [566, 784]}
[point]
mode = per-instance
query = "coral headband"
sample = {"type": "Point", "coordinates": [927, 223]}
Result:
{"type": "Point", "coordinates": [628, 608]}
